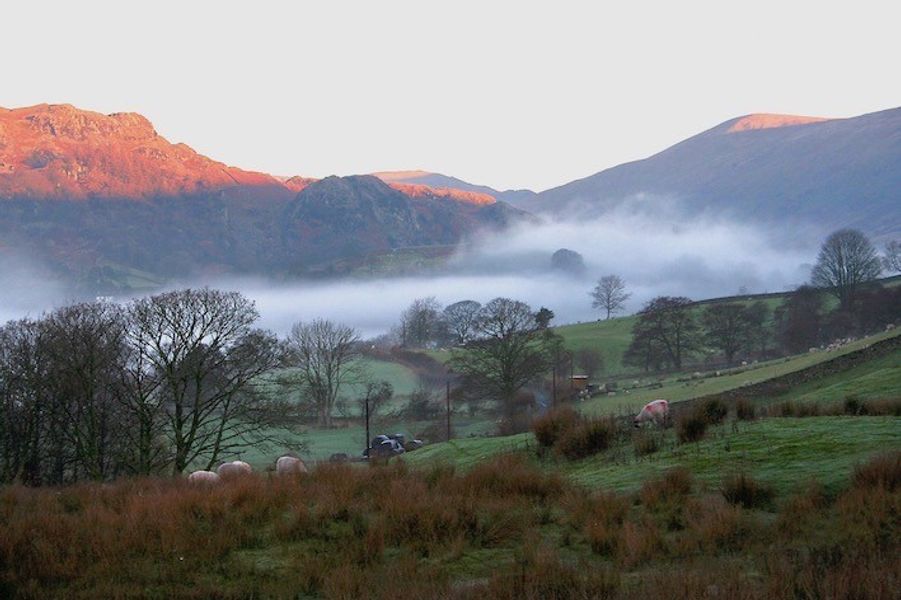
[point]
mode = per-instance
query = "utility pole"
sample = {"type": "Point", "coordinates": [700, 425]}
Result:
{"type": "Point", "coordinates": [448, 404]}
{"type": "Point", "coordinates": [554, 388]}
{"type": "Point", "coordinates": [367, 418]}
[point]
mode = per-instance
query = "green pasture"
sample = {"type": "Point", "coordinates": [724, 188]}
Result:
{"type": "Point", "coordinates": [781, 452]}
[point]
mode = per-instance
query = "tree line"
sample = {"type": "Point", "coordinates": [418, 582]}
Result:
{"type": "Point", "coordinates": [670, 331]}
{"type": "Point", "coordinates": [96, 390]}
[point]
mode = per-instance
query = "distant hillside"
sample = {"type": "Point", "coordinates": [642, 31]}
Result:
{"type": "Point", "coordinates": [806, 174]}
{"type": "Point", "coordinates": [104, 200]}
{"type": "Point", "coordinates": [437, 180]}
{"type": "Point", "coordinates": [358, 215]}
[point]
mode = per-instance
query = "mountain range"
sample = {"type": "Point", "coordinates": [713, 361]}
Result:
{"type": "Point", "coordinates": [795, 174]}
{"type": "Point", "coordinates": [105, 200]}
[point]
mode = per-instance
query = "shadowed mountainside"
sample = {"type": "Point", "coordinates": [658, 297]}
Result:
{"type": "Point", "coordinates": [806, 174]}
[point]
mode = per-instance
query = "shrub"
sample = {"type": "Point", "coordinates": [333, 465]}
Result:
{"type": "Point", "coordinates": [712, 524]}
{"type": "Point", "coordinates": [801, 510]}
{"type": "Point", "coordinates": [855, 406]}
{"type": "Point", "coordinates": [646, 443]}
{"type": "Point", "coordinates": [638, 543]}
{"type": "Point", "coordinates": [691, 426]}
{"type": "Point", "coordinates": [512, 425]}
{"type": "Point", "coordinates": [793, 409]}
{"type": "Point", "coordinates": [674, 486]}
{"type": "Point", "coordinates": [882, 471]}
{"type": "Point", "coordinates": [714, 411]}
{"type": "Point", "coordinates": [742, 489]}
{"type": "Point", "coordinates": [541, 574]}
{"type": "Point", "coordinates": [885, 407]}
{"type": "Point", "coordinates": [588, 437]}
{"type": "Point", "coordinates": [549, 427]}
{"type": "Point", "coordinates": [744, 410]}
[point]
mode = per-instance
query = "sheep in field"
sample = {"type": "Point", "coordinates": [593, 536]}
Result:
{"type": "Point", "coordinates": [289, 465]}
{"type": "Point", "coordinates": [234, 468]}
{"type": "Point", "coordinates": [656, 411]}
{"type": "Point", "coordinates": [204, 477]}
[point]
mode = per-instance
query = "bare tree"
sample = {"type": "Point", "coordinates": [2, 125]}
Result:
{"type": "Point", "coordinates": [610, 294]}
{"type": "Point", "coordinates": [666, 324]}
{"type": "Point", "coordinates": [846, 260]}
{"type": "Point", "coordinates": [207, 355]}
{"type": "Point", "coordinates": [891, 261]}
{"type": "Point", "coordinates": [323, 353]}
{"type": "Point", "coordinates": [645, 351]}
{"type": "Point", "coordinates": [726, 328]}
{"type": "Point", "coordinates": [799, 319]}
{"type": "Point", "coordinates": [85, 347]}
{"type": "Point", "coordinates": [461, 319]}
{"type": "Point", "coordinates": [30, 429]}
{"type": "Point", "coordinates": [509, 353]}
{"type": "Point", "coordinates": [759, 331]}
{"type": "Point", "coordinates": [421, 322]}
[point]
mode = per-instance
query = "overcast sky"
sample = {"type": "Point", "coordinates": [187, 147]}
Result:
{"type": "Point", "coordinates": [509, 94]}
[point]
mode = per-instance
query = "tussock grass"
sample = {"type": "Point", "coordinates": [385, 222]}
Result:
{"type": "Point", "coordinates": [504, 529]}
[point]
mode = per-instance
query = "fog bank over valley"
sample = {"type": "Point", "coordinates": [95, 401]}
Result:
{"type": "Point", "coordinates": [655, 254]}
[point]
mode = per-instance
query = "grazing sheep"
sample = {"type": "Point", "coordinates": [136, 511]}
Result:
{"type": "Point", "coordinates": [204, 477]}
{"type": "Point", "coordinates": [656, 411]}
{"type": "Point", "coordinates": [290, 465]}
{"type": "Point", "coordinates": [236, 468]}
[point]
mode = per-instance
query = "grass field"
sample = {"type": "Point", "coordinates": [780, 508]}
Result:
{"type": "Point", "coordinates": [876, 379]}
{"type": "Point", "coordinates": [881, 378]}
{"type": "Point", "coordinates": [492, 517]}
{"type": "Point", "coordinates": [816, 511]}
{"type": "Point", "coordinates": [611, 338]}
{"type": "Point", "coordinates": [782, 452]}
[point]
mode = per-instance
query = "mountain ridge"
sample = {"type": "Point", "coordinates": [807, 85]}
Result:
{"type": "Point", "coordinates": [818, 175]}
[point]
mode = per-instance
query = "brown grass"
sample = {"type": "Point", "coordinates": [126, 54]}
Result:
{"type": "Point", "coordinates": [549, 427]}
{"type": "Point", "coordinates": [742, 489]}
{"type": "Point", "coordinates": [691, 426]}
{"type": "Point", "coordinates": [587, 437]}
{"type": "Point", "coordinates": [883, 471]}
{"type": "Point", "coordinates": [572, 436]}
{"type": "Point", "coordinates": [850, 406]}
{"type": "Point", "coordinates": [645, 442]}
{"type": "Point", "coordinates": [744, 410]}
{"type": "Point", "coordinates": [505, 529]}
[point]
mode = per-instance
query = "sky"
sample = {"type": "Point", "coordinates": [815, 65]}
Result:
{"type": "Point", "coordinates": [507, 94]}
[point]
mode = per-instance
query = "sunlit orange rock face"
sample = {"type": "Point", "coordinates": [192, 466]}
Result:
{"type": "Point", "coordinates": [418, 190]}
{"type": "Point", "coordinates": [771, 121]}
{"type": "Point", "coordinates": [59, 151]}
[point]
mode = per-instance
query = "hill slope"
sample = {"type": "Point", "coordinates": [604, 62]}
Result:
{"type": "Point", "coordinates": [437, 180]}
{"type": "Point", "coordinates": [779, 170]}
{"type": "Point", "coordinates": [98, 198]}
